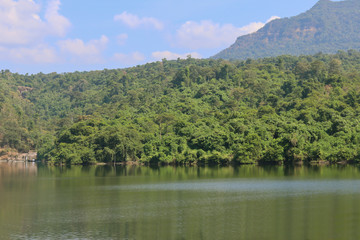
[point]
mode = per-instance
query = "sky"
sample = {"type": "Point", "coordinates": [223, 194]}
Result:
{"type": "Point", "coordinates": [83, 35]}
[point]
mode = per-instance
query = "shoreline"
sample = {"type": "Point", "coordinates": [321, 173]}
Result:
{"type": "Point", "coordinates": [194, 164]}
{"type": "Point", "coordinates": [175, 164]}
{"type": "Point", "coordinates": [13, 155]}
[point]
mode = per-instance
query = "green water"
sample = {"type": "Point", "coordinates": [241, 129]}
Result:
{"type": "Point", "coordinates": [249, 202]}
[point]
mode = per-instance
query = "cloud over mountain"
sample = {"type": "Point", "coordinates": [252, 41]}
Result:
{"type": "Point", "coordinates": [207, 34]}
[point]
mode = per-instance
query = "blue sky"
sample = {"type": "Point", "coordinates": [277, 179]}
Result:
{"type": "Point", "coordinates": [82, 35]}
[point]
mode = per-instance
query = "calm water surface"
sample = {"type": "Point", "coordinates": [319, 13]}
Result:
{"type": "Point", "coordinates": [249, 202]}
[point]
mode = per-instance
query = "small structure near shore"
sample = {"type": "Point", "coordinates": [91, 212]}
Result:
{"type": "Point", "coordinates": [21, 157]}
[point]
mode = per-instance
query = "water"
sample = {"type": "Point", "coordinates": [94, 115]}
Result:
{"type": "Point", "coordinates": [249, 202]}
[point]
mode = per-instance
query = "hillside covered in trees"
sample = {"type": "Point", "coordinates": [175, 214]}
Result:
{"type": "Point", "coordinates": [327, 27]}
{"type": "Point", "coordinates": [273, 110]}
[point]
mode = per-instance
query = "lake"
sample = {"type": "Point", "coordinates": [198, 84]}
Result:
{"type": "Point", "coordinates": [132, 202]}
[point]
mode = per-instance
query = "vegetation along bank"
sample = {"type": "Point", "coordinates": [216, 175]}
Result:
{"type": "Point", "coordinates": [274, 110]}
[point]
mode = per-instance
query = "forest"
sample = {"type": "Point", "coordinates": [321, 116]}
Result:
{"type": "Point", "coordinates": [284, 109]}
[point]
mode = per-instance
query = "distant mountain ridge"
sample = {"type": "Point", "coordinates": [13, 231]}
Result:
{"type": "Point", "coordinates": [327, 27]}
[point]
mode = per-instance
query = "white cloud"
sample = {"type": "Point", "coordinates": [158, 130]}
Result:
{"type": "Point", "coordinates": [24, 25]}
{"type": "Point", "coordinates": [35, 54]}
{"type": "Point", "coordinates": [133, 21]}
{"type": "Point", "coordinates": [89, 51]}
{"type": "Point", "coordinates": [206, 34]}
{"type": "Point", "coordinates": [56, 23]}
{"type": "Point", "coordinates": [21, 24]}
{"type": "Point", "coordinates": [121, 39]}
{"type": "Point", "coordinates": [272, 18]}
{"type": "Point", "coordinates": [129, 59]}
{"type": "Point", "coordinates": [173, 56]}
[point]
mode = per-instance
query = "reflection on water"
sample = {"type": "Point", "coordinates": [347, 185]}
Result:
{"type": "Point", "coordinates": [17, 168]}
{"type": "Point", "coordinates": [248, 202]}
{"type": "Point", "coordinates": [251, 186]}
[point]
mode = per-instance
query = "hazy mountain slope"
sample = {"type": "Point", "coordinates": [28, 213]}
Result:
{"type": "Point", "coordinates": [327, 27]}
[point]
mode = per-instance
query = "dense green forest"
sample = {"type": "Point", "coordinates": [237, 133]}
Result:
{"type": "Point", "coordinates": [327, 27]}
{"type": "Point", "coordinates": [272, 110]}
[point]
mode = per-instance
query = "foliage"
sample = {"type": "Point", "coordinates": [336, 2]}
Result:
{"type": "Point", "coordinates": [273, 110]}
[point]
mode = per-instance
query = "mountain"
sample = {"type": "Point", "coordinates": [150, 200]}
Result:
{"type": "Point", "coordinates": [327, 27]}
